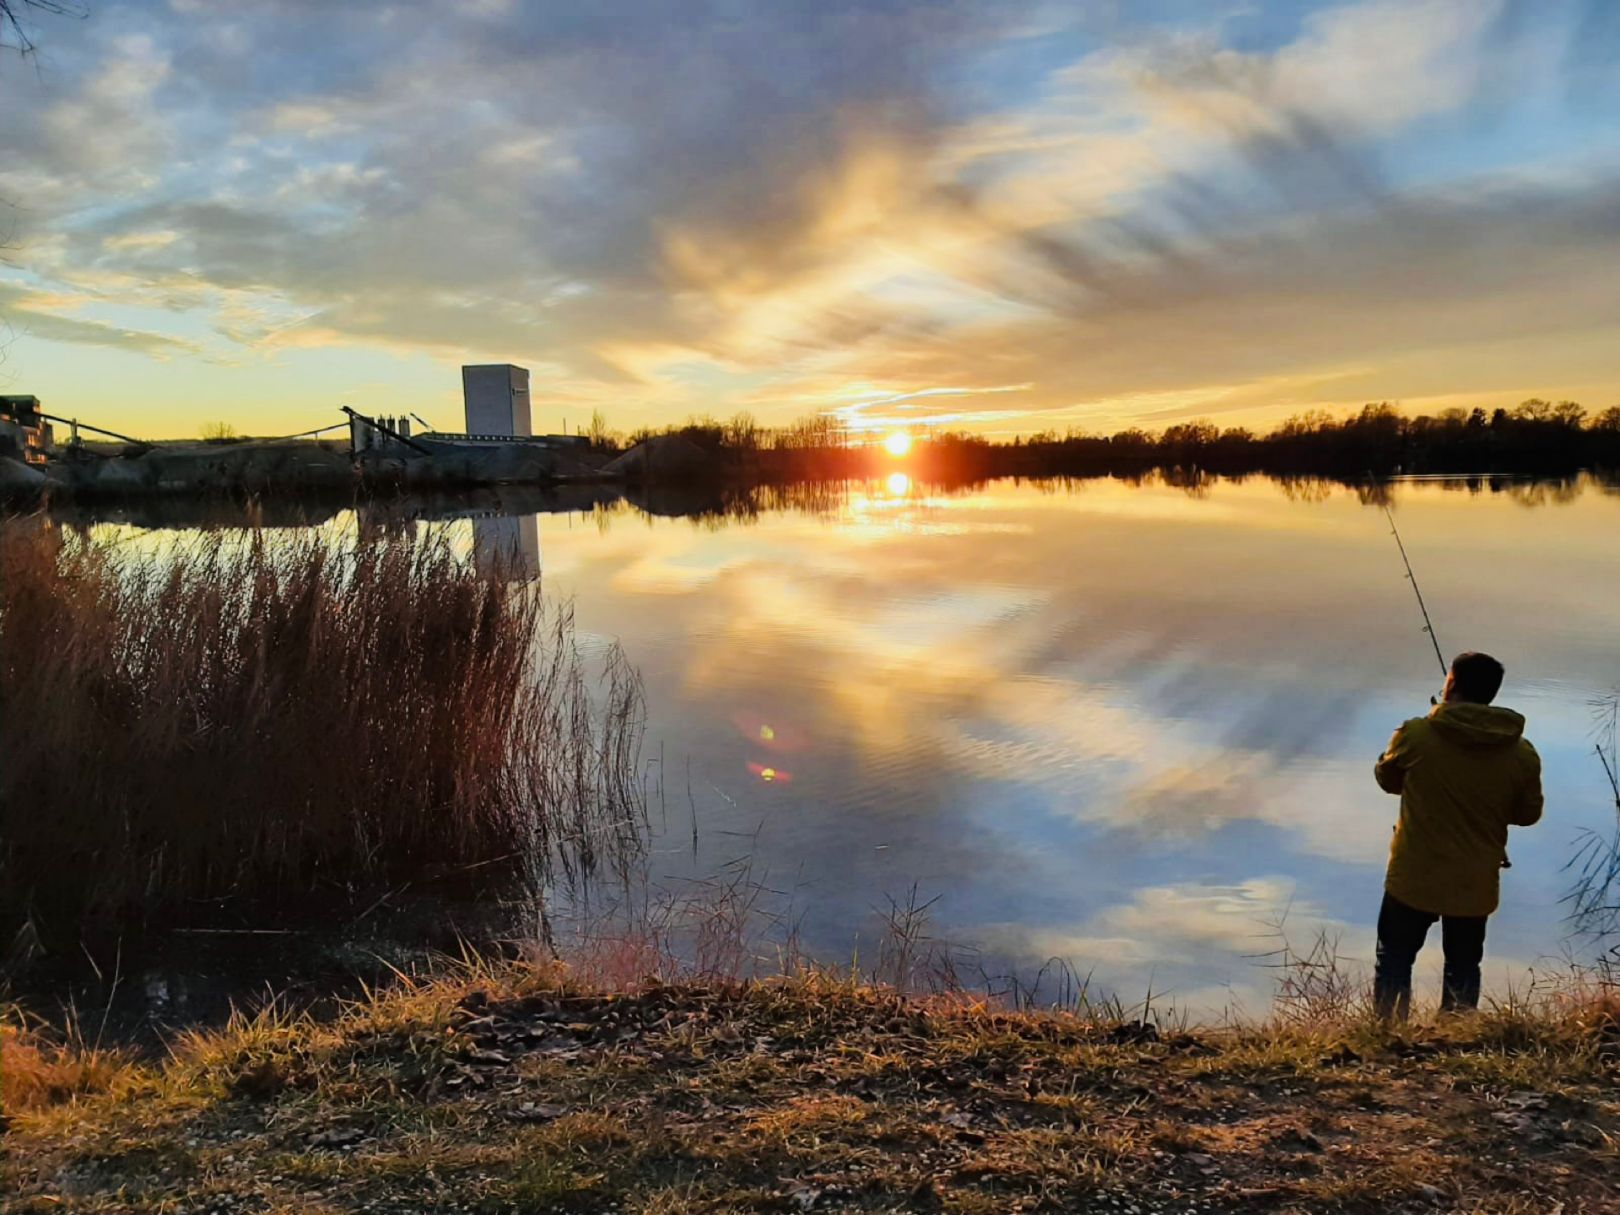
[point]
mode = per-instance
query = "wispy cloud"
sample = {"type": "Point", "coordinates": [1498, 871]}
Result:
{"type": "Point", "coordinates": [702, 207]}
{"type": "Point", "coordinates": [30, 314]}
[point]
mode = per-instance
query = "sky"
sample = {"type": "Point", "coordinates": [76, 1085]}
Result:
{"type": "Point", "coordinates": [1003, 217]}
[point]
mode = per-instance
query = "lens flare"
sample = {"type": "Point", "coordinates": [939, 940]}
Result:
{"type": "Point", "coordinates": [898, 443]}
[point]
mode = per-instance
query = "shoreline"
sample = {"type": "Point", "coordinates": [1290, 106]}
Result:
{"type": "Point", "coordinates": [272, 505]}
{"type": "Point", "coordinates": [709, 458]}
{"type": "Point", "coordinates": [512, 1087]}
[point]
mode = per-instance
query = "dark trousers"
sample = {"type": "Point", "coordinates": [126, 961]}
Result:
{"type": "Point", "coordinates": [1401, 930]}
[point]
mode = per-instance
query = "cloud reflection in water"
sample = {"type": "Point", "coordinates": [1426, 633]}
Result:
{"type": "Point", "coordinates": [1053, 708]}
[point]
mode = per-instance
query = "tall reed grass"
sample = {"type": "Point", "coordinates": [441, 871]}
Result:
{"type": "Point", "coordinates": [256, 719]}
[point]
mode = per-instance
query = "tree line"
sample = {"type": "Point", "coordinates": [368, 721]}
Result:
{"type": "Point", "coordinates": [1536, 436]}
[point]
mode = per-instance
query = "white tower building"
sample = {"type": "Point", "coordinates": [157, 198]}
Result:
{"type": "Point", "coordinates": [497, 399]}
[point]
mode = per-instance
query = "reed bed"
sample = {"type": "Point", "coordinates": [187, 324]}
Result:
{"type": "Point", "coordinates": [260, 720]}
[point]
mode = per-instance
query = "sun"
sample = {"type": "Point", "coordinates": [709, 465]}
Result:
{"type": "Point", "coordinates": [897, 443]}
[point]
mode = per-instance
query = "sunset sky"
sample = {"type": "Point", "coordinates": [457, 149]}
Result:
{"type": "Point", "coordinates": [1005, 216]}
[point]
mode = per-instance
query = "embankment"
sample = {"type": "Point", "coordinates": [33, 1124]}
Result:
{"type": "Point", "coordinates": [515, 1089]}
{"type": "Point", "coordinates": [291, 468]}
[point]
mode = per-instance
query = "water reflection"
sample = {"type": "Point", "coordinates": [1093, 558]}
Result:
{"type": "Point", "coordinates": [508, 545]}
{"type": "Point", "coordinates": [1130, 723]}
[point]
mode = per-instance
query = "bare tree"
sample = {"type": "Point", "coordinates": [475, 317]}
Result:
{"type": "Point", "coordinates": [13, 11]}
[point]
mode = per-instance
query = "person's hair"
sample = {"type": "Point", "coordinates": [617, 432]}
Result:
{"type": "Point", "coordinates": [1476, 677]}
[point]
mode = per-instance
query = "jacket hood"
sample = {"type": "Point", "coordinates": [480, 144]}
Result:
{"type": "Point", "coordinates": [1477, 725]}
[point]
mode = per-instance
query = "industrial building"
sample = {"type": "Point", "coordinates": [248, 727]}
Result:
{"type": "Point", "coordinates": [496, 396]}
{"type": "Point", "coordinates": [495, 401]}
{"type": "Point", "coordinates": [24, 433]}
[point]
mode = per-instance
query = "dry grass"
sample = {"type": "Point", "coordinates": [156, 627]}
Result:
{"type": "Point", "coordinates": [1594, 895]}
{"type": "Point", "coordinates": [506, 1086]}
{"type": "Point", "coordinates": [39, 1069]}
{"type": "Point", "coordinates": [236, 719]}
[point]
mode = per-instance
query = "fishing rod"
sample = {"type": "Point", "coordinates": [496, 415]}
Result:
{"type": "Point", "coordinates": [1428, 625]}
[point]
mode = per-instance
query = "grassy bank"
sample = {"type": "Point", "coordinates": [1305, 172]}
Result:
{"type": "Point", "coordinates": [517, 1090]}
{"type": "Point", "coordinates": [241, 725]}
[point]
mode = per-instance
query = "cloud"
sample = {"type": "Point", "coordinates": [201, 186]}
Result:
{"type": "Point", "coordinates": [1035, 672]}
{"type": "Point", "coordinates": [711, 207]}
{"type": "Point", "coordinates": [106, 140]}
{"type": "Point", "coordinates": [31, 314]}
{"type": "Point", "coordinates": [1206, 948]}
{"type": "Point", "coordinates": [1215, 948]}
{"type": "Point", "coordinates": [1181, 923]}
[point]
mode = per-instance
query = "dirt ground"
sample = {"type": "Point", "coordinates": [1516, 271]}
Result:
{"type": "Point", "coordinates": [814, 1096]}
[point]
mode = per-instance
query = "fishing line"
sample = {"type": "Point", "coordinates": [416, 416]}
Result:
{"type": "Point", "coordinates": [1428, 625]}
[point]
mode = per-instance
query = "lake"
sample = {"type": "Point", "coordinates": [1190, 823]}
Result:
{"type": "Point", "coordinates": [1128, 725]}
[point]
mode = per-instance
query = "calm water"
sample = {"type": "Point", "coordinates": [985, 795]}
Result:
{"type": "Point", "coordinates": [1131, 726]}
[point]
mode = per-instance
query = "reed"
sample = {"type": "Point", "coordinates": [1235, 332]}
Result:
{"type": "Point", "coordinates": [1594, 894]}
{"type": "Point", "coordinates": [244, 719]}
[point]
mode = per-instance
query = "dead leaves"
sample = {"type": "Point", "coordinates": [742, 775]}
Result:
{"type": "Point", "coordinates": [538, 1111]}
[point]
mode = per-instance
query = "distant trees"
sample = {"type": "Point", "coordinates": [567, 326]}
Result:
{"type": "Point", "coordinates": [744, 434]}
{"type": "Point", "coordinates": [1190, 440]}
{"type": "Point", "coordinates": [597, 433]}
{"type": "Point", "coordinates": [1536, 436]}
{"type": "Point", "coordinates": [1565, 413]}
{"type": "Point", "coordinates": [819, 430]}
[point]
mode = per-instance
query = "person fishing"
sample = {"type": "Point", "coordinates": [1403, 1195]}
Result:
{"type": "Point", "coordinates": [1465, 774]}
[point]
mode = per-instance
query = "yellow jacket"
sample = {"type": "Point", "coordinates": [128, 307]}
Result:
{"type": "Point", "coordinates": [1465, 773]}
